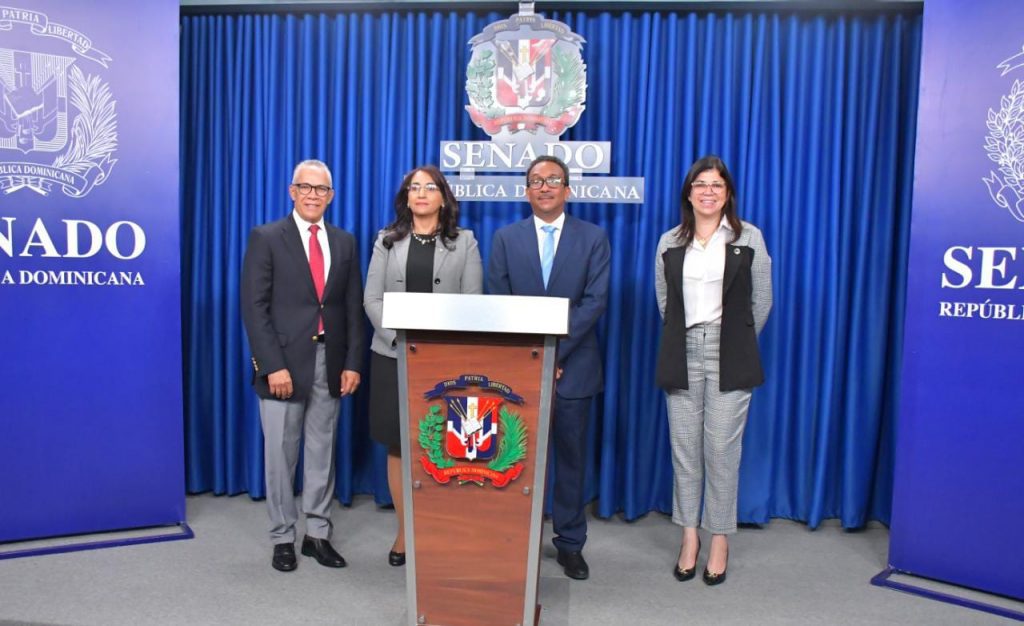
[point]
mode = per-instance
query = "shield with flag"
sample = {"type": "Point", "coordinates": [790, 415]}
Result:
{"type": "Point", "coordinates": [472, 427]}
{"type": "Point", "coordinates": [33, 101]}
{"type": "Point", "coordinates": [524, 72]}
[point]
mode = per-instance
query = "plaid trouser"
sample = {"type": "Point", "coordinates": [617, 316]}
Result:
{"type": "Point", "coordinates": [706, 430]}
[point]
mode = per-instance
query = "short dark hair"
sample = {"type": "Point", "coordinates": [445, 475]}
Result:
{"type": "Point", "coordinates": [550, 159]}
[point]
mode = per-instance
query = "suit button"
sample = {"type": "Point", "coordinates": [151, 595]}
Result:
{"type": "Point", "coordinates": [437, 281]}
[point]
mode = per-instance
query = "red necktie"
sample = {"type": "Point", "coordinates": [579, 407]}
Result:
{"type": "Point", "coordinates": [316, 268]}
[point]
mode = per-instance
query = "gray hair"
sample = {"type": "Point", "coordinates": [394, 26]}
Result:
{"type": "Point", "coordinates": [313, 164]}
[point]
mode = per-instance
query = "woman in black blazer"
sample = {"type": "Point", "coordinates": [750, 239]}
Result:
{"type": "Point", "coordinates": [714, 289]}
{"type": "Point", "coordinates": [423, 250]}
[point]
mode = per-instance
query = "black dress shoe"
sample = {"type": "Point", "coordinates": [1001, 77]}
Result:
{"type": "Point", "coordinates": [683, 575]}
{"type": "Point", "coordinates": [574, 565]}
{"type": "Point", "coordinates": [396, 559]}
{"type": "Point", "coordinates": [324, 552]}
{"type": "Point", "coordinates": [284, 557]}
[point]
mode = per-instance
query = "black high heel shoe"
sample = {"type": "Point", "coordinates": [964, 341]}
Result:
{"type": "Point", "coordinates": [396, 559]}
{"type": "Point", "coordinates": [683, 575]}
{"type": "Point", "coordinates": [715, 579]}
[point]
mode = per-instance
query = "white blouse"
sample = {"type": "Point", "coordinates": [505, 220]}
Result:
{"type": "Point", "coordinates": [703, 271]}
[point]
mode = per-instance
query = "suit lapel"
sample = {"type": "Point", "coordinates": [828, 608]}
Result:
{"type": "Point", "coordinates": [401, 249]}
{"type": "Point", "coordinates": [293, 243]}
{"type": "Point", "coordinates": [733, 255]}
{"type": "Point", "coordinates": [674, 258]}
{"type": "Point", "coordinates": [334, 241]}
{"type": "Point", "coordinates": [528, 241]}
{"type": "Point", "coordinates": [441, 254]}
{"type": "Point", "coordinates": [566, 250]}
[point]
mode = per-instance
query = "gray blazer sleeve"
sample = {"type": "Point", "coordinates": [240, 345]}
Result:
{"type": "Point", "coordinates": [761, 277]}
{"type": "Point", "coordinates": [373, 293]}
{"type": "Point", "coordinates": [660, 286]}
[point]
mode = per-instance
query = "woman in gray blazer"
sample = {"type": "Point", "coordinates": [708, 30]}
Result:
{"type": "Point", "coordinates": [714, 286]}
{"type": "Point", "coordinates": [423, 250]}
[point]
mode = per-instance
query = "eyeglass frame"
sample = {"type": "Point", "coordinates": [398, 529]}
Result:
{"type": "Point", "coordinates": [553, 182]}
{"type": "Point", "coordinates": [428, 187]}
{"type": "Point", "coordinates": [716, 187]}
{"type": "Point", "coordinates": [316, 189]}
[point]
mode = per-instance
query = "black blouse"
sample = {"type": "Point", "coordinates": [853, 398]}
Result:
{"type": "Point", "coordinates": [419, 267]}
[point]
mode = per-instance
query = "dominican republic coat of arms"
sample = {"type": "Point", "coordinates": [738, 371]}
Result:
{"type": "Point", "coordinates": [473, 438]}
{"type": "Point", "coordinates": [58, 121]}
{"type": "Point", "coordinates": [526, 73]}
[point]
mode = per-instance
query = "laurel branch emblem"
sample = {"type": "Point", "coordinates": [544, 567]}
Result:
{"type": "Point", "coordinates": [94, 132]}
{"type": "Point", "coordinates": [1005, 146]}
{"type": "Point", "coordinates": [570, 83]}
{"type": "Point", "coordinates": [480, 84]}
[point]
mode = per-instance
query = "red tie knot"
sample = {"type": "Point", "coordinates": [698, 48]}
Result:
{"type": "Point", "coordinates": [314, 228]}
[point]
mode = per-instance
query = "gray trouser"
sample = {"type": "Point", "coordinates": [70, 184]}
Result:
{"type": "Point", "coordinates": [706, 428]}
{"type": "Point", "coordinates": [284, 422]}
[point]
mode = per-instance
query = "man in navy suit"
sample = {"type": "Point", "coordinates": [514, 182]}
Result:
{"type": "Point", "coordinates": [302, 304]}
{"type": "Point", "coordinates": [554, 254]}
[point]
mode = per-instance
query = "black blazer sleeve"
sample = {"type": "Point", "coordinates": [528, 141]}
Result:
{"type": "Point", "coordinates": [355, 327]}
{"type": "Point", "coordinates": [256, 293]}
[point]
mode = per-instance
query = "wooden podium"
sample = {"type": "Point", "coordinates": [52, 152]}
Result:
{"type": "Point", "coordinates": [476, 385]}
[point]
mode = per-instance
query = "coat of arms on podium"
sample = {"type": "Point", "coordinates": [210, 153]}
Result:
{"type": "Point", "coordinates": [478, 439]}
{"type": "Point", "coordinates": [472, 427]}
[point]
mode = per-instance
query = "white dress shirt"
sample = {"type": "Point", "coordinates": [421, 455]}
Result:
{"type": "Point", "coordinates": [541, 235]}
{"type": "Point", "coordinates": [703, 275]}
{"type": "Point", "coordinates": [321, 236]}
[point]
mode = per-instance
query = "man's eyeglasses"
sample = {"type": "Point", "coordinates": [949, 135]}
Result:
{"type": "Point", "coordinates": [305, 188]}
{"type": "Point", "coordinates": [429, 187]}
{"type": "Point", "coordinates": [553, 181]}
{"type": "Point", "coordinates": [701, 186]}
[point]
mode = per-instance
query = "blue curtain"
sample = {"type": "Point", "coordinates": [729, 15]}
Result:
{"type": "Point", "coordinates": [814, 113]}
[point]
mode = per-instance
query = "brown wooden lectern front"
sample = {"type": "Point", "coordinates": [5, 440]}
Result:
{"type": "Point", "coordinates": [476, 385]}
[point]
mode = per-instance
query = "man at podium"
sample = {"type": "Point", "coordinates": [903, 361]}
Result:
{"type": "Point", "coordinates": [554, 254]}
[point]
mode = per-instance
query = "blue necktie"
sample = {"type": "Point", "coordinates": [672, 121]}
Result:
{"type": "Point", "coordinates": [547, 255]}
